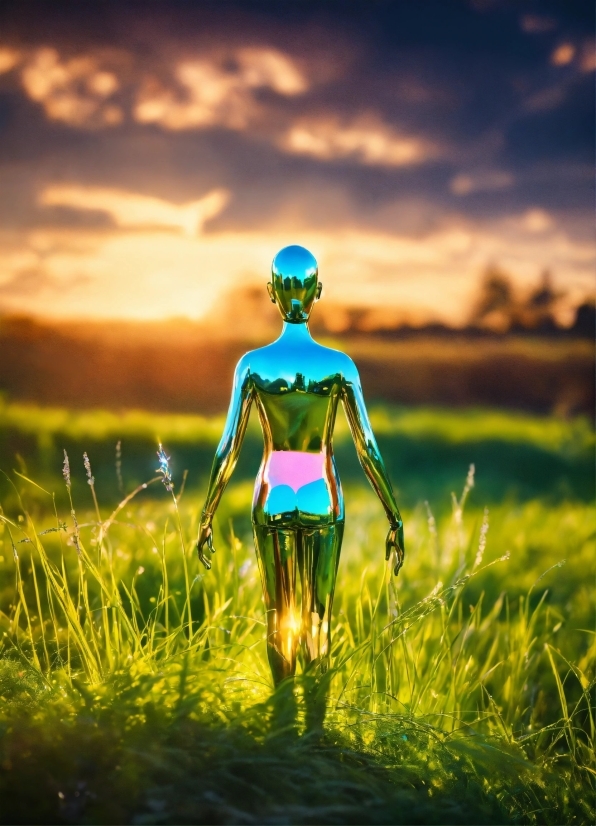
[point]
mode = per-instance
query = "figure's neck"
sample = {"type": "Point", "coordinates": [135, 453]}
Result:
{"type": "Point", "coordinates": [295, 332]}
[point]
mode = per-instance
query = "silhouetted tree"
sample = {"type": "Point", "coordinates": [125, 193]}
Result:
{"type": "Point", "coordinates": [500, 308]}
{"type": "Point", "coordinates": [496, 306]}
{"type": "Point", "coordinates": [538, 312]}
{"type": "Point", "coordinates": [585, 321]}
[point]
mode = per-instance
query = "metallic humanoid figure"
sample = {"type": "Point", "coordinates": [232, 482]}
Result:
{"type": "Point", "coordinates": [298, 509]}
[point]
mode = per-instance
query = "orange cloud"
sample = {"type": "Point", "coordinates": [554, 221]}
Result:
{"type": "Point", "coordinates": [365, 140]}
{"type": "Point", "coordinates": [130, 210]}
{"type": "Point", "coordinates": [74, 91]}
{"type": "Point", "coordinates": [214, 93]}
{"type": "Point", "coordinates": [261, 67]}
{"type": "Point", "coordinates": [536, 220]}
{"type": "Point", "coordinates": [213, 89]}
{"type": "Point", "coordinates": [588, 57]}
{"type": "Point", "coordinates": [8, 59]}
{"type": "Point", "coordinates": [144, 270]}
{"type": "Point", "coordinates": [563, 54]}
{"type": "Point", "coordinates": [466, 183]}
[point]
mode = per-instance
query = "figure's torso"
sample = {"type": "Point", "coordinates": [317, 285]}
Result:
{"type": "Point", "coordinates": [297, 387]}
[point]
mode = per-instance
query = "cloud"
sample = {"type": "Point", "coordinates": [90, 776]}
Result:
{"type": "Point", "coordinates": [26, 276]}
{"type": "Point", "coordinates": [144, 270]}
{"type": "Point", "coordinates": [216, 88]}
{"type": "Point", "coordinates": [9, 58]}
{"type": "Point", "coordinates": [584, 56]}
{"type": "Point", "coordinates": [261, 67]}
{"type": "Point", "coordinates": [36, 282]}
{"type": "Point", "coordinates": [536, 220]}
{"type": "Point", "coordinates": [563, 54]}
{"type": "Point", "coordinates": [129, 210]}
{"type": "Point", "coordinates": [366, 140]}
{"type": "Point", "coordinates": [547, 99]}
{"type": "Point", "coordinates": [218, 91]}
{"type": "Point", "coordinates": [396, 240]}
{"type": "Point", "coordinates": [466, 183]}
{"type": "Point", "coordinates": [588, 57]}
{"type": "Point", "coordinates": [537, 23]}
{"type": "Point", "coordinates": [76, 91]}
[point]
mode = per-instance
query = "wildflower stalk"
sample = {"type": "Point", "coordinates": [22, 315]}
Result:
{"type": "Point", "coordinates": [40, 615]}
{"type": "Point", "coordinates": [104, 616]}
{"type": "Point", "coordinates": [66, 474]}
{"type": "Point", "coordinates": [91, 483]}
{"type": "Point", "coordinates": [82, 595]}
{"type": "Point", "coordinates": [166, 590]}
{"type": "Point", "coordinates": [76, 537]}
{"type": "Point", "coordinates": [458, 510]}
{"type": "Point", "coordinates": [166, 478]}
{"type": "Point", "coordinates": [105, 526]}
{"type": "Point", "coordinates": [482, 539]}
{"type": "Point", "coordinates": [432, 529]}
{"type": "Point", "coordinates": [119, 466]}
{"type": "Point", "coordinates": [23, 603]}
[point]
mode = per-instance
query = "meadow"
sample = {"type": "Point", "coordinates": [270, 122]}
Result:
{"type": "Point", "coordinates": [135, 686]}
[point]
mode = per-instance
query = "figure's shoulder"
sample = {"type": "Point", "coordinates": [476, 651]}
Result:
{"type": "Point", "coordinates": [243, 363]}
{"type": "Point", "coordinates": [350, 371]}
{"type": "Point", "coordinates": [255, 360]}
{"type": "Point", "coordinates": [341, 359]}
{"type": "Point", "coordinates": [338, 361]}
{"type": "Point", "coordinates": [252, 357]}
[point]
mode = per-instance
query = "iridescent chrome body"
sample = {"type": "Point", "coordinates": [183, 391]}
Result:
{"type": "Point", "coordinates": [298, 510]}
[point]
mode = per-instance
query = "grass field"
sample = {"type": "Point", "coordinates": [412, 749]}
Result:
{"type": "Point", "coordinates": [135, 686]}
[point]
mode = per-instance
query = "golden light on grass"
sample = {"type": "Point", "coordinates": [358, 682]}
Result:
{"type": "Point", "coordinates": [485, 674]}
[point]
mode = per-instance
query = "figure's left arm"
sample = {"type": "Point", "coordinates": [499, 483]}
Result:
{"type": "Point", "coordinates": [226, 454]}
{"type": "Point", "coordinates": [371, 460]}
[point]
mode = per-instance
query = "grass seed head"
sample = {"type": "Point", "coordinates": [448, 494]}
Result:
{"type": "Point", "coordinates": [119, 466]}
{"type": "Point", "coordinates": [482, 539]}
{"type": "Point", "coordinates": [66, 470]}
{"type": "Point", "coordinates": [87, 463]}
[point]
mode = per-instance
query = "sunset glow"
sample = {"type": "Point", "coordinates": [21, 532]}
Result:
{"type": "Point", "coordinates": [157, 179]}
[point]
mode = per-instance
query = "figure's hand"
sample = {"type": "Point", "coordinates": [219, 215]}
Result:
{"type": "Point", "coordinates": [395, 542]}
{"type": "Point", "coordinates": [205, 539]}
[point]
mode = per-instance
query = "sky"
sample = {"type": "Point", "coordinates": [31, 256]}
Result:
{"type": "Point", "coordinates": [155, 156]}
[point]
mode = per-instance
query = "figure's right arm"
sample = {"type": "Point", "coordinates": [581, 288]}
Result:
{"type": "Point", "coordinates": [370, 458]}
{"type": "Point", "coordinates": [226, 454]}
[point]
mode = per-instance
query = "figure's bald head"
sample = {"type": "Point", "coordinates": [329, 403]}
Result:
{"type": "Point", "coordinates": [294, 283]}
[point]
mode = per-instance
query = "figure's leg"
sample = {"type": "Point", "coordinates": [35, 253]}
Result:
{"type": "Point", "coordinates": [318, 557]}
{"type": "Point", "coordinates": [276, 554]}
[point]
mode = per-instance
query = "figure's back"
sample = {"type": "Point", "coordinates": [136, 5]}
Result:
{"type": "Point", "coordinates": [296, 384]}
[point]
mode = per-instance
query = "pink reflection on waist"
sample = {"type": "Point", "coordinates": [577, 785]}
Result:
{"type": "Point", "coordinates": [294, 468]}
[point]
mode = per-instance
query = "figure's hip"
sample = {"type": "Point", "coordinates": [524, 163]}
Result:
{"type": "Point", "coordinates": [296, 488]}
